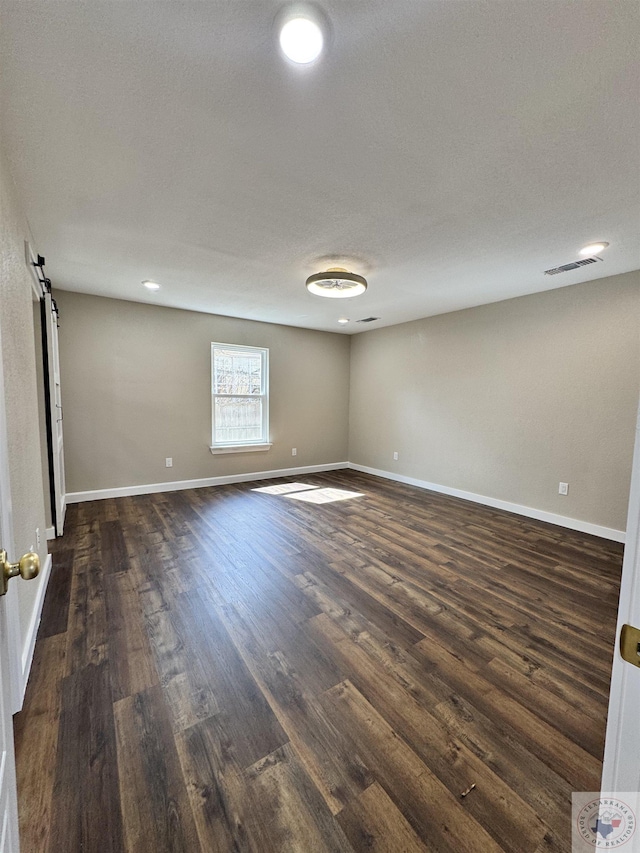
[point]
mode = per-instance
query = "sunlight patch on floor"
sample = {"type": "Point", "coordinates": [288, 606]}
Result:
{"type": "Point", "coordinates": [325, 496]}
{"type": "Point", "coordinates": [284, 488]}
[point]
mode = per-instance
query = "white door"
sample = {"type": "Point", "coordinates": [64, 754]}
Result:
{"type": "Point", "coordinates": [621, 770]}
{"type": "Point", "coordinates": [8, 796]}
{"type": "Point", "coordinates": [56, 413]}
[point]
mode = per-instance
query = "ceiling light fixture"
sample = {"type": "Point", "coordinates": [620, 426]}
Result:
{"type": "Point", "coordinates": [151, 285]}
{"type": "Point", "coordinates": [336, 283]}
{"type": "Point", "coordinates": [343, 321]}
{"type": "Point", "coordinates": [593, 249]}
{"type": "Point", "coordinates": [301, 40]}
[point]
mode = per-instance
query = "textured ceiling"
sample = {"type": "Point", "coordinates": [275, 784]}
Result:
{"type": "Point", "coordinates": [450, 151]}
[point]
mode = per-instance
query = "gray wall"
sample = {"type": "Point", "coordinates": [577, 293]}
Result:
{"type": "Point", "coordinates": [18, 357]}
{"type": "Point", "coordinates": [136, 382]}
{"type": "Point", "coordinates": [508, 399]}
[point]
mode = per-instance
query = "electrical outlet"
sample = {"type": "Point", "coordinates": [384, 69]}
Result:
{"type": "Point", "coordinates": [395, 455]}
{"type": "Point", "coordinates": [294, 451]}
{"type": "Point", "coordinates": [563, 489]}
{"type": "Point", "coordinates": [168, 462]}
{"type": "Point", "coordinates": [37, 538]}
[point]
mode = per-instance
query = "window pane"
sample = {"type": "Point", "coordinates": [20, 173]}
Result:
{"type": "Point", "coordinates": [237, 419]}
{"type": "Point", "coordinates": [237, 372]}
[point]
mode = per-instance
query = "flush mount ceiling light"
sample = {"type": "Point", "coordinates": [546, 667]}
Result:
{"type": "Point", "coordinates": [151, 285]}
{"type": "Point", "coordinates": [593, 249]}
{"type": "Point", "coordinates": [343, 321]}
{"type": "Point", "coordinates": [336, 283]}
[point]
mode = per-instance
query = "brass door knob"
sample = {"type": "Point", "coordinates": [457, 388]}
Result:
{"type": "Point", "coordinates": [27, 567]}
{"type": "Point", "coordinates": [630, 644]}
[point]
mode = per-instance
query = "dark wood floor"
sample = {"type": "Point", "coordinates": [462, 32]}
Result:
{"type": "Point", "coordinates": [229, 670]}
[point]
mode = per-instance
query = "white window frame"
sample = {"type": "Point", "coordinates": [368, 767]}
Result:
{"type": "Point", "coordinates": [242, 446]}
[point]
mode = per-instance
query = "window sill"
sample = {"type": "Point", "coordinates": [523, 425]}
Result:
{"type": "Point", "coordinates": [240, 448]}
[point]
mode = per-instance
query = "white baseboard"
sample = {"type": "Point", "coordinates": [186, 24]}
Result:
{"type": "Point", "coordinates": [29, 645]}
{"type": "Point", "coordinates": [518, 509]}
{"type": "Point", "coordinates": [179, 485]}
{"type": "Point", "coordinates": [51, 533]}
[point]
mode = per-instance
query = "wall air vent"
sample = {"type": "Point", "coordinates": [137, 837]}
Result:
{"type": "Point", "coordinates": [583, 262]}
{"type": "Point", "coordinates": [367, 320]}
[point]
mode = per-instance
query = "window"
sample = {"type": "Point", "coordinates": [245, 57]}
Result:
{"type": "Point", "coordinates": [240, 398]}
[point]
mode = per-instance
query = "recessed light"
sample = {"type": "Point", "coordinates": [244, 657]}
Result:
{"type": "Point", "coordinates": [301, 40]}
{"type": "Point", "coordinates": [593, 249]}
{"type": "Point", "coordinates": [151, 285]}
{"type": "Point", "coordinates": [343, 321]}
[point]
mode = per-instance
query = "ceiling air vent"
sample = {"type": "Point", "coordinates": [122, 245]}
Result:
{"type": "Point", "coordinates": [367, 320]}
{"type": "Point", "coordinates": [583, 262]}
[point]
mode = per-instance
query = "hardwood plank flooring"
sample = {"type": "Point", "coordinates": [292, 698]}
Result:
{"type": "Point", "coordinates": [156, 813]}
{"type": "Point", "coordinates": [227, 669]}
